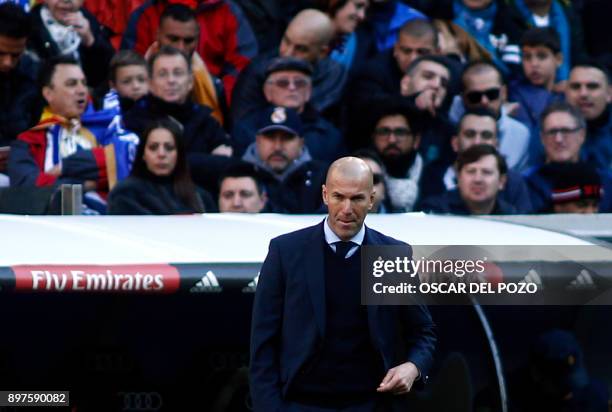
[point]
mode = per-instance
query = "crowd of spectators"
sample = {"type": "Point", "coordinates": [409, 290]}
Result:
{"type": "Point", "coordinates": [167, 106]}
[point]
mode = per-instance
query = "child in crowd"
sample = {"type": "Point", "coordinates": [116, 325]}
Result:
{"type": "Point", "coordinates": [541, 56]}
{"type": "Point", "coordinates": [128, 80]}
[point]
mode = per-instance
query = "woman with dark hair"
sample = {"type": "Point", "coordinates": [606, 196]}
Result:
{"type": "Point", "coordinates": [159, 183]}
{"type": "Point", "coordinates": [354, 40]}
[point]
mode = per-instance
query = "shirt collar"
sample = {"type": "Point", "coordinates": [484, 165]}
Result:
{"type": "Point", "coordinates": [331, 237]}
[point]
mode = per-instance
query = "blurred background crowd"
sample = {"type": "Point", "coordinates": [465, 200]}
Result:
{"type": "Point", "coordinates": [179, 106]}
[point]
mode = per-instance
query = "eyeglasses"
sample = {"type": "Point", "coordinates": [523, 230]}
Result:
{"type": "Point", "coordinates": [284, 83]}
{"type": "Point", "coordinates": [399, 132]}
{"type": "Point", "coordinates": [484, 134]}
{"type": "Point", "coordinates": [476, 97]}
{"type": "Point", "coordinates": [564, 131]}
{"type": "Point", "coordinates": [378, 178]}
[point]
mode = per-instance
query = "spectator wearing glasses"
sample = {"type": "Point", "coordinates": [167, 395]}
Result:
{"type": "Point", "coordinates": [170, 83]}
{"type": "Point", "coordinates": [477, 126]}
{"type": "Point", "coordinates": [484, 87]}
{"type": "Point", "coordinates": [396, 138]}
{"type": "Point", "coordinates": [563, 132]}
{"type": "Point", "coordinates": [481, 175]}
{"type": "Point", "coordinates": [288, 84]}
{"type": "Point", "coordinates": [589, 90]}
{"type": "Point", "coordinates": [307, 37]}
{"type": "Point", "coordinates": [377, 166]}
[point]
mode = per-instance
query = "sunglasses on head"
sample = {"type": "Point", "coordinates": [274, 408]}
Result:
{"type": "Point", "coordinates": [476, 97]}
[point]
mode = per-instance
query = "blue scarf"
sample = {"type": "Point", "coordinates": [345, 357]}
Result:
{"type": "Point", "coordinates": [479, 23]}
{"type": "Point", "coordinates": [558, 21]}
{"type": "Point", "coordinates": [344, 52]}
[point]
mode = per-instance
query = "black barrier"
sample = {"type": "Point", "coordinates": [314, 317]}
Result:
{"type": "Point", "coordinates": [188, 350]}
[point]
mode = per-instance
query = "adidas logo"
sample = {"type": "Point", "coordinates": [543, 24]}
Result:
{"type": "Point", "coordinates": [252, 286]}
{"type": "Point", "coordinates": [584, 281]}
{"type": "Point", "coordinates": [533, 277]}
{"type": "Point", "coordinates": [208, 284]}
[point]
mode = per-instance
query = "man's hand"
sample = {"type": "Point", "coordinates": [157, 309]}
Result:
{"type": "Point", "coordinates": [81, 26]}
{"type": "Point", "coordinates": [428, 99]}
{"type": "Point", "coordinates": [153, 48]}
{"type": "Point", "coordinates": [55, 170]}
{"type": "Point", "coordinates": [399, 380]}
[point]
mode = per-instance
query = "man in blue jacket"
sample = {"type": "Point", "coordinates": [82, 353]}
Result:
{"type": "Point", "coordinates": [313, 346]}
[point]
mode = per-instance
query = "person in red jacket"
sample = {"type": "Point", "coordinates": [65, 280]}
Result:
{"type": "Point", "coordinates": [226, 42]}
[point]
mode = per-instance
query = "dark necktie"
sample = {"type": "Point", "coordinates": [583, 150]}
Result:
{"type": "Point", "coordinates": [342, 248]}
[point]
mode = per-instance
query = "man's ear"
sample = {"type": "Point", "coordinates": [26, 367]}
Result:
{"type": "Point", "coordinates": [502, 181]}
{"type": "Point", "coordinates": [417, 142]}
{"type": "Point", "coordinates": [455, 143]}
{"type": "Point", "coordinates": [324, 194]}
{"type": "Point", "coordinates": [405, 84]}
{"type": "Point", "coordinates": [559, 58]}
{"type": "Point", "coordinates": [46, 92]}
{"type": "Point", "coordinates": [503, 93]}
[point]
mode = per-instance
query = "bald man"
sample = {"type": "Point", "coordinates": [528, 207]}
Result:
{"type": "Point", "coordinates": [307, 37]}
{"type": "Point", "coordinates": [314, 347]}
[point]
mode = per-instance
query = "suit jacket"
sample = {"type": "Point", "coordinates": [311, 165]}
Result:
{"type": "Point", "coordinates": [289, 318]}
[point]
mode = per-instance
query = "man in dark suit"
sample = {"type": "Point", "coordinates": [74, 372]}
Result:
{"type": "Point", "coordinates": [314, 347]}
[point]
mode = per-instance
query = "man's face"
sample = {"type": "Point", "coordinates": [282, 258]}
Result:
{"type": "Point", "coordinates": [350, 15]}
{"type": "Point", "coordinates": [484, 90]}
{"type": "Point", "coordinates": [393, 137]}
{"type": "Point", "coordinates": [540, 65]}
{"type": "Point", "coordinates": [67, 93]}
{"type": "Point", "coordinates": [131, 81]}
{"type": "Point", "coordinates": [408, 48]}
{"type": "Point", "coordinates": [562, 138]}
{"type": "Point", "coordinates": [480, 181]}
{"type": "Point", "coordinates": [171, 80]}
{"type": "Point", "coordinates": [475, 130]}
{"type": "Point", "coordinates": [348, 201]}
{"type": "Point", "coordinates": [10, 51]}
{"type": "Point", "coordinates": [477, 4]}
{"type": "Point", "coordinates": [278, 149]}
{"type": "Point", "coordinates": [240, 195]}
{"type": "Point", "coordinates": [178, 34]}
{"type": "Point", "coordinates": [301, 44]}
{"type": "Point", "coordinates": [288, 88]}
{"type": "Point", "coordinates": [62, 9]}
{"type": "Point", "coordinates": [588, 89]}
{"type": "Point", "coordinates": [584, 206]}
{"type": "Point", "coordinates": [428, 75]}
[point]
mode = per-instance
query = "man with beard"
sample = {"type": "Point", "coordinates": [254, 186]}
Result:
{"type": "Point", "coordinates": [396, 139]}
{"type": "Point", "coordinates": [291, 178]}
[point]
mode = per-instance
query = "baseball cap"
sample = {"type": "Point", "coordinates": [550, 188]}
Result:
{"type": "Point", "coordinates": [288, 63]}
{"type": "Point", "coordinates": [279, 118]}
